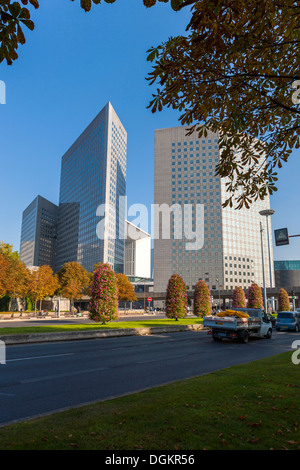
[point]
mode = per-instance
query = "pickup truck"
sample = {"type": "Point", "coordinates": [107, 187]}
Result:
{"type": "Point", "coordinates": [239, 326]}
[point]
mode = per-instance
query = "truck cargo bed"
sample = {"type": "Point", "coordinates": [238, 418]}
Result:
{"type": "Point", "coordinates": [232, 323]}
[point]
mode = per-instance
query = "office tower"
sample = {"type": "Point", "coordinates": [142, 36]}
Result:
{"type": "Point", "coordinates": [287, 274]}
{"type": "Point", "coordinates": [38, 233]}
{"type": "Point", "coordinates": [93, 178]}
{"type": "Point", "coordinates": [228, 249]}
{"type": "Point", "coordinates": [137, 252]}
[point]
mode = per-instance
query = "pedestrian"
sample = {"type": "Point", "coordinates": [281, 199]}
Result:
{"type": "Point", "coordinates": [21, 312]}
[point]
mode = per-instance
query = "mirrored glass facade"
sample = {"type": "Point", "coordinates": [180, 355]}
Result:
{"type": "Point", "coordinates": [93, 179]}
{"type": "Point", "coordinates": [39, 231]}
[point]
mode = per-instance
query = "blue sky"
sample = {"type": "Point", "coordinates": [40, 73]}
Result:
{"type": "Point", "coordinates": [70, 67]}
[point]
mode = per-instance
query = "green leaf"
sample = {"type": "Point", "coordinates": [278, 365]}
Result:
{"type": "Point", "coordinates": [28, 23]}
{"type": "Point", "coordinates": [86, 5]}
{"type": "Point", "coordinates": [176, 4]}
{"type": "Point", "coordinates": [149, 3]}
{"type": "Point", "coordinates": [14, 9]}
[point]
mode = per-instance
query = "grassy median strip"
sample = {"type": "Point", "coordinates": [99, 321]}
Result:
{"type": "Point", "coordinates": [252, 406]}
{"type": "Point", "coordinates": [15, 330]}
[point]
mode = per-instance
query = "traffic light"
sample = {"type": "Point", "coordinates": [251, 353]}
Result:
{"type": "Point", "coordinates": [293, 294]}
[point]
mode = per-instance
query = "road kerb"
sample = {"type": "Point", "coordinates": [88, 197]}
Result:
{"type": "Point", "coordinates": [94, 334]}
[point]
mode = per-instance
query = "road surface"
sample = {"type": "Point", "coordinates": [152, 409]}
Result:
{"type": "Point", "coordinates": [42, 378]}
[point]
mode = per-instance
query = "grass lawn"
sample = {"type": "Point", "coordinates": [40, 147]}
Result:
{"type": "Point", "coordinates": [14, 330]}
{"type": "Point", "coordinates": [253, 406]}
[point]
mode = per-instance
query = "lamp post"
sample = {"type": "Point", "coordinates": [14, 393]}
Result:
{"type": "Point", "coordinates": [263, 267]}
{"type": "Point", "coordinates": [267, 213]}
{"type": "Point", "coordinates": [219, 293]}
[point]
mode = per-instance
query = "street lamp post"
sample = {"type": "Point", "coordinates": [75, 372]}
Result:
{"type": "Point", "coordinates": [267, 213]}
{"type": "Point", "coordinates": [263, 267]}
{"type": "Point", "coordinates": [219, 293]}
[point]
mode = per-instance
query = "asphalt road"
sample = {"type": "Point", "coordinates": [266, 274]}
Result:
{"type": "Point", "coordinates": [42, 378]}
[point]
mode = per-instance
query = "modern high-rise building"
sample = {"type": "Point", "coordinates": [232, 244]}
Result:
{"type": "Point", "coordinates": [91, 216]}
{"type": "Point", "coordinates": [219, 245]}
{"type": "Point", "coordinates": [38, 233]}
{"type": "Point", "coordinates": [287, 273]}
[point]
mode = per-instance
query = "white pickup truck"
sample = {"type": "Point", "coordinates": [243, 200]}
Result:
{"type": "Point", "coordinates": [238, 328]}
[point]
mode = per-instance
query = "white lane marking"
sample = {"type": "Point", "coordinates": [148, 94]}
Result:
{"type": "Point", "coordinates": [159, 359]}
{"type": "Point", "coordinates": [58, 376]}
{"type": "Point", "coordinates": [38, 357]}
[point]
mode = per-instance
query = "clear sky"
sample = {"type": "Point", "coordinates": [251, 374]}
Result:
{"type": "Point", "coordinates": [70, 67]}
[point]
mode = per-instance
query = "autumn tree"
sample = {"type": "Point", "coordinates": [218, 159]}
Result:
{"type": "Point", "coordinates": [235, 72]}
{"type": "Point", "coordinates": [3, 274]}
{"type": "Point", "coordinates": [17, 277]}
{"type": "Point", "coordinates": [104, 294]}
{"type": "Point", "coordinates": [238, 298]}
{"type": "Point", "coordinates": [255, 298]}
{"type": "Point", "coordinates": [283, 301]}
{"type": "Point", "coordinates": [73, 280]}
{"type": "Point", "coordinates": [126, 289]}
{"type": "Point", "coordinates": [14, 277]}
{"type": "Point", "coordinates": [7, 251]}
{"type": "Point", "coordinates": [14, 15]}
{"type": "Point", "coordinates": [176, 298]}
{"type": "Point", "coordinates": [42, 283]}
{"type": "Point", "coordinates": [202, 300]}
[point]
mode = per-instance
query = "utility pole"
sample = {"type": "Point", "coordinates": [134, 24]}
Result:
{"type": "Point", "coordinates": [263, 267]}
{"type": "Point", "coordinates": [267, 213]}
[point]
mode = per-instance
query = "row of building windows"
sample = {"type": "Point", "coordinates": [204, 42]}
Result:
{"type": "Point", "coordinates": [235, 258]}
{"type": "Point", "coordinates": [197, 142]}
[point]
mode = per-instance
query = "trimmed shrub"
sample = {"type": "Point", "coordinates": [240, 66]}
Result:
{"type": "Point", "coordinates": [104, 295]}
{"type": "Point", "coordinates": [176, 299]}
{"type": "Point", "coordinates": [4, 303]}
{"type": "Point", "coordinates": [255, 298]}
{"type": "Point", "coordinates": [202, 300]}
{"type": "Point", "coordinates": [29, 304]}
{"type": "Point", "coordinates": [238, 298]}
{"type": "Point", "coordinates": [283, 301]}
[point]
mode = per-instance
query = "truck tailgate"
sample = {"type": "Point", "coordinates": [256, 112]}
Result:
{"type": "Point", "coordinates": [231, 323]}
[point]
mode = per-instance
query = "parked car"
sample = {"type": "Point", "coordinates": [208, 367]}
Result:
{"type": "Point", "coordinates": [288, 321]}
{"type": "Point", "coordinates": [272, 319]}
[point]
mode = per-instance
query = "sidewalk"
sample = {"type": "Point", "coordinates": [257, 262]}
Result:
{"type": "Point", "coordinates": [13, 316]}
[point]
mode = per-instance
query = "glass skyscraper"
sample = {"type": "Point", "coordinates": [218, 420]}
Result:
{"type": "Point", "coordinates": [91, 216]}
{"type": "Point", "coordinates": [38, 235]}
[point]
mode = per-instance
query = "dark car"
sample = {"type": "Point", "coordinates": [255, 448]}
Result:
{"type": "Point", "coordinates": [273, 320]}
